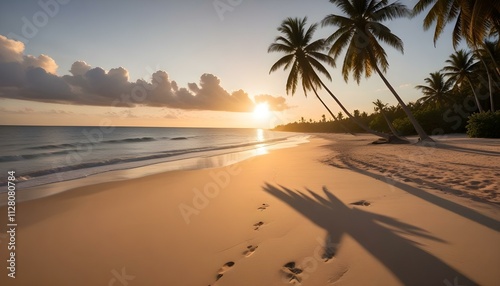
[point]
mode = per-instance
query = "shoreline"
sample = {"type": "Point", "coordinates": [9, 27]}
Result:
{"type": "Point", "coordinates": [282, 218]}
{"type": "Point", "coordinates": [203, 160]}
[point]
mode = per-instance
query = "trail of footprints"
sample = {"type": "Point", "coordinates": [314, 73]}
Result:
{"type": "Point", "coordinates": [290, 271]}
{"type": "Point", "coordinates": [248, 251]}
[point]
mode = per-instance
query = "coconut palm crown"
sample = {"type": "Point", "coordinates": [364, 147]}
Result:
{"type": "Point", "coordinates": [461, 69]}
{"type": "Point", "coordinates": [437, 91]}
{"type": "Point", "coordinates": [302, 56]}
{"type": "Point", "coordinates": [361, 31]}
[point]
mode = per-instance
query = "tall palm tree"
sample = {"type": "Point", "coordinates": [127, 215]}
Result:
{"type": "Point", "coordinates": [360, 31]}
{"type": "Point", "coordinates": [474, 19]}
{"type": "Point", "coordinates": [437, 91]}
{"type": "Point", "coordinates": [492, 49]}
{"type": "Point", "coordinates": [460, 68]}
{"type": "Point", "coordinates": [304, 58]}
{"type": "Point", "coordinates": [487, 55]}
{"type": "Point", "coordinates": [381, 107]}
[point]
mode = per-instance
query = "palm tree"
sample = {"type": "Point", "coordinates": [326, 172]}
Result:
{"type": "Point", "coordinates": [486, 54]}
{"type": "Point", "coordinates": [475, 19]}
{"type": "Point", "coordinates": [340, 116]}
{"type": "Point", "coordinates": [304, 58]}
{"type": "Point", "coordinates": [492, 49]}
{"type": "Point", "coordinates": [437, 91]}
{"type": "Point", "coordinates": [360, 30]}
{"type": "Point", "coordinates": [460, 68]}
{"type": "Point", "coordinates": [381, 107]}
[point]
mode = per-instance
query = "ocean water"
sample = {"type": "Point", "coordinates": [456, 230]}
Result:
{"type": "Point", "coordinates": [42, 155]}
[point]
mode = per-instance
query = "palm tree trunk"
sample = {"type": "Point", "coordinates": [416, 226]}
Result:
{"type": "Point", "coordinates": [331, 113]}
{"type": "Point", "coordinates": [389, 124]}
{"type": "Point", "coordinates": [420, 131]}
{"type": "Point", "coordinates": [496, 69]}
{"type": "Point", "coordinates": [364, 127]}
{"type": "Point", "coordinates": [475, 96]}
{"type": "Point", "coordinates": [490, 86]}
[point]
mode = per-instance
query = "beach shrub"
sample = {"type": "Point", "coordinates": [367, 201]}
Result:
{"type": "Point", "coordinates": [404, 126]}
{"type": "Point", "coordinates": [484, 125]}
{"type": "Point", "coordinates": [434, 121]}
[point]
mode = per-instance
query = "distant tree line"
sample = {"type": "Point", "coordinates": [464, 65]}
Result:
{"type": "Point", "coordinates": [449, 96]}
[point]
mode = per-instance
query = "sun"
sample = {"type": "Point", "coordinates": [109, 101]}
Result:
{"type": "Point", "coordinates": [261, 111]}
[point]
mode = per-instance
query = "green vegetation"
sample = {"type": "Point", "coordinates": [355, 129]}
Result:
{"type": "Point", "coordinates": [484, 124]}
{"type": "Point", "coordinates": [463, 90]}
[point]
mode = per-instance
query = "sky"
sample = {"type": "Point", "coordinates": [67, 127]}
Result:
{"type": "Point", "coordinates": [183, 63]}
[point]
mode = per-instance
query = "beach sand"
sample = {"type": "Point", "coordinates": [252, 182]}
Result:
{"type": "Point", "coordinates": [334, 211]}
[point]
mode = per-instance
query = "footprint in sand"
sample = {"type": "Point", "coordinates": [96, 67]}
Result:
{"type": "Point", "coordinates": [291, 273]}
{"type": "Point", "coordinates": [362, 203]}
{"type": "Point", "coordinates": [263, 207]}
{"type": "Point", "coordinates": [328, 254]}
{"type": "Point", "coordinates": [336, 277]}
{"type": "Point", "coordinates": [250, 250]}
{"type": "Point", "coordinates": [258, 225]}
{"type": "Point", "coordinates": [224, 269]}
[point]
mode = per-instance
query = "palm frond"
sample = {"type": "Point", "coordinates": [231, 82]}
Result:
{"type": "Point", "coordinates": [385, 35]}
{"type": "Point", "coordinates": [390, 12]}
{"type": "Point", "coordinates": [284, 61]}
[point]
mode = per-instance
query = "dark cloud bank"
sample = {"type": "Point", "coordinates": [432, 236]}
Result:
{"type": "Point", "coordinates": [33, 78]}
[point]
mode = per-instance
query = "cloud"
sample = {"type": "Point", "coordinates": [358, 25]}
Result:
{"type": "Point", "coordinates": [42, 61]}
{"type": "Point", "coordinates": [208, 94]}
{"type": "Point", "coordinates": [10, 50]}
{"type": "Point", "coordinates": [384, 89]}
{"type": "Point", "coordinates": [274, 103]}
{"type": "Point", "coordinates": [34, 78]}
{"type": "Point", "coordinates": [127, 113]}
{"type": "Point", "coordinates": [60, 111]}
{"type": "Point", "coordinates": [79, 68]}
{"type": "Point", "coordinates": [405, 85]}
{"type": "Point", "coordinates": [12, 54]}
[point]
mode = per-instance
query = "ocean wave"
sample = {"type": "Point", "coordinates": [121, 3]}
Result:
{"type": "Point", "coordinates": [51, 146]}
{"type": "Point", "coordinates": [83, 143]}
{"type": "Point", "coordinates": [11, 158]}
{"type": "Point", "coordinates": [129, 140]}
{"type": "Point", "coordinates": [68, 148]}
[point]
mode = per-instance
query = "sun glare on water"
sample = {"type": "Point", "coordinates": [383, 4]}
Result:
{"type": "Point", "coordinates": [261, 111]}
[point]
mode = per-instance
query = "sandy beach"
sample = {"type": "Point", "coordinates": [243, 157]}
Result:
{"type": "Point", "coordinates": [335, 211]}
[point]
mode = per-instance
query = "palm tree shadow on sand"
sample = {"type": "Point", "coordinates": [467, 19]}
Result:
{"type": "Point", "coordinates": [406, 260]}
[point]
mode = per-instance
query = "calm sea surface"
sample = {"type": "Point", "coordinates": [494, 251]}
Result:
{"type": "Point", "coordinates": [42, 155]}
